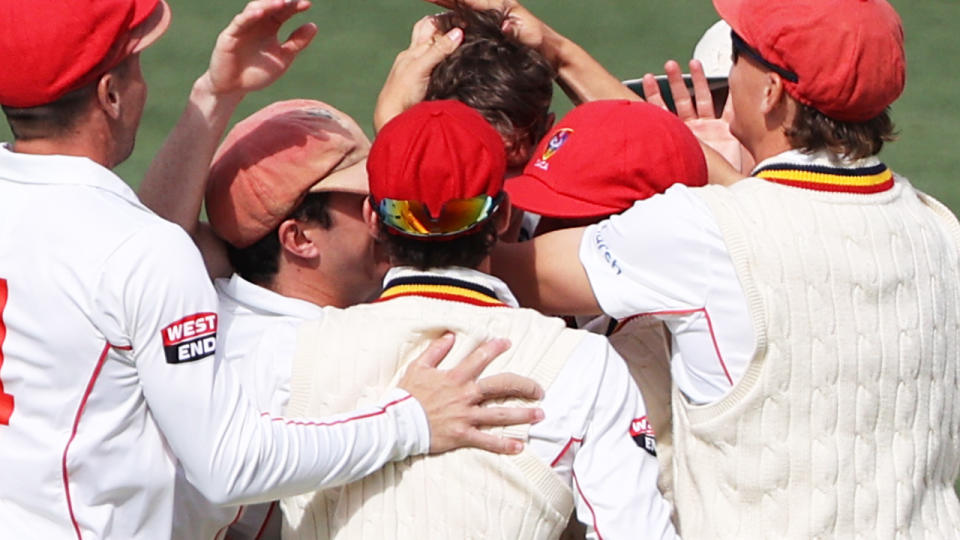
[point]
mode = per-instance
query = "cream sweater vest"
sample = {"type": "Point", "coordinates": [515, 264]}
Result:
{"type": "Point", "coordinates": [349, 358]}
{"type": "Point", "coordinates": [846, 423]}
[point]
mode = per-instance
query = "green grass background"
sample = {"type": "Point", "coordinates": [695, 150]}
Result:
{"type": "Point", "coordinates": [358, 40]}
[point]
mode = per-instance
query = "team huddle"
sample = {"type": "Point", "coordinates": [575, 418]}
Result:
{"type": "Point", "coordinates": [694, 306]}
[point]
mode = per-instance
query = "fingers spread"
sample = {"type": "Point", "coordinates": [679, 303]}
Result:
{"type": "Point", "coordinates": [506, 416]}
{"type": "Point", "coordinates": [651, 91]}
{"type": "Point", "coordinates": [681, 96]}
{"type": "Point", "coordinates": [509, 385]}
{"type": "Point", "coordinates": [701, 90]}
{"type": "Point", "coordinates": [492, 443]}
{"type": "Point", "coordinates": [436, 352]}
{"type": "Point", "coordinates": [473, 365]}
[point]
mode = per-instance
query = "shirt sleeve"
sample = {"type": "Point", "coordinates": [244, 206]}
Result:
{"type": "Point", "coordinates": [654, 257]}
{"type": "Point", "coordinates": [613, 471]}
{"type": "Point", "coordinates": [162, 308]}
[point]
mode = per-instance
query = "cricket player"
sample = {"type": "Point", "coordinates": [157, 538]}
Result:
{"type": "Point", "coordinates": [824, 288]}
{"type": "Point", "coordinates": [109, 326]}
{"type": "Point", "coordinates": [436, 202]}
{"type": "Point", "coordinates": [600, 159]}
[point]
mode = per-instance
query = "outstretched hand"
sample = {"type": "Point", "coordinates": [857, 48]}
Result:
{"type": "Point", "coordinates": [407, 82]}
{"type": "Point", "coordinates": [248, 55]}
{"type": "Point", "coordinates": [453, 399]}
{"type": "Point", "coordinates": [731, 160]}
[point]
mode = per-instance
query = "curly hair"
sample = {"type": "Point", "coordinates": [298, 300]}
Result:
{"type": "Point", "coordinates": [510, 84]}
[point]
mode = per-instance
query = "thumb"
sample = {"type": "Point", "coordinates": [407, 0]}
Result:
{"type": "Point", "coordinates": [300, 38]}
{"type": "Point", "coordinates": [443, 46]}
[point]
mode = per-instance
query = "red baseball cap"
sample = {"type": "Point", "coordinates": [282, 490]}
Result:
{"type": "Point", "coordinates": [605, 155]}
{"type": "Point", "coordinates": [270, 161]}
{"type": "Point", "coordinates": [434, 153]}
{"type": "Point", "coordinates": [847, 55]}
{"type": "Point", "coordinates": [52, 47]}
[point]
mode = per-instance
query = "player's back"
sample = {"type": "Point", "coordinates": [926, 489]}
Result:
{"type": "Point", "coordinates": [79, 454]}
{"type": "Point", "coordinates": [351, 356]}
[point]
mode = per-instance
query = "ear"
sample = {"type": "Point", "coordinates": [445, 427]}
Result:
{"type": "Point", "coordinates": [295, 240]}
{"type": "Point", "coordinates": [773, 92]}
{"type": "Point", "coordinates": [371, 218]}
{"type": "Point", "coordinates": [108, 95]}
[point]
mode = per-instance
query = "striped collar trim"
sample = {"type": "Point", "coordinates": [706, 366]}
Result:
{"type": "Point", "coordinates": [864, 180]}
{"type": "Point", "coordinates": [441, 288]}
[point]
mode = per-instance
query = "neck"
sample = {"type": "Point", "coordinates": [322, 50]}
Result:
{"type": "Point", "coordinates": [90, 140]}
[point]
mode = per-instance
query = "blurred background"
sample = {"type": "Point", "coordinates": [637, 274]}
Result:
{"type": "Point", "coordinates": [358, 40]}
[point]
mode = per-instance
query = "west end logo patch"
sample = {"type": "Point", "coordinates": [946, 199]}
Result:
{"type": "Point", "coordinates": [642, 433]}
{"type": "Point", "coordinates": [191, 338]}
{"type": "Point", "coordinates": [556, 142]}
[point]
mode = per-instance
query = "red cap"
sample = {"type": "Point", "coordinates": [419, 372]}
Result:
{"type": "Point", "coordinates": [435, 152]}
{"type": "Point", "coordinates": [52, 47]}
{"type": "Point", "coordinates": [270, 160]}
{"type": "Point", "coordinates": [847, 54]}
{"type": "Point", "coordinates": [605, 155]}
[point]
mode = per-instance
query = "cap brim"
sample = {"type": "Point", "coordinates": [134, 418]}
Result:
{"type": "Point", "coordinates": [529, 193]}
{"type": "Point", "coordinates": [352, 179]}
{"type": "Point", "coordinates": [150, 30]}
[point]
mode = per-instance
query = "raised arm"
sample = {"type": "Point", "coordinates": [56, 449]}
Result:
{"type": "Point", "coordinates": [579, 74]}
{"type": "Point", "coordinates": [248, 56]}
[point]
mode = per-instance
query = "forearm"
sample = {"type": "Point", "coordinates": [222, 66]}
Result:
{"type": "Point", "coordinates": [581, 76]}
{"type": "Point", "coordinates": [176, 180]}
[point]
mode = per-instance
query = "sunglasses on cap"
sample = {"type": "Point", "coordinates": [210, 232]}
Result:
{"type": "Point", "coordinates": [458, 216]}
{"type": "Point", "coordinates": [740, 47]}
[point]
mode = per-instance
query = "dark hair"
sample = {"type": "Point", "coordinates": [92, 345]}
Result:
{"type": "Point", "coordinates": [510, 84]}
{"type": "Point", "coordinates": [52, 119]}
{"type": "Point", "coordinates": [812, 130]}
{"type": "Point", "coordinates": [468, 250]}
{"type": "Point", "coordinates": [259, 262]}
{"type": "Point", "coordinates": [58, 117]}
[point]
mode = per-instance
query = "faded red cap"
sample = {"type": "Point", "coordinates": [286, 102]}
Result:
{"type": "Point", "coordinates": [52, 47]}
{"type": "Point", "coordinates": [435, 152]}
{"type": "Point", "coordinates": [847, 54]}
{"type": "Point", "coordinates": [270, 160]}
{"type": "Point", "coordinates": [605, 155]}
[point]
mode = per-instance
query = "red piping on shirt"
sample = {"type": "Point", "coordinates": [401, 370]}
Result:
{"type": "Point", "coordinates": [76, 424]}
{"type": "Point", "coordinates": [706, 315]}
{"type": "Point", "coordinates": [344, 421]}
{"type": "Point", "coordinates": [266, 520]}
{"type": "Point", "coordinates": [589, 506]}
{"type": "Point", "coordinates": [563, 452]}
{"type": "Point", "coordinates": [224, 529]}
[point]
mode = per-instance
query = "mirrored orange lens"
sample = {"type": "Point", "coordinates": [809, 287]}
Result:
{"type": "Point", "coordinates": [457, 216]}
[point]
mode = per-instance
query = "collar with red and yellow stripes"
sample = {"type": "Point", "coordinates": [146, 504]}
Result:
{"type": "Point", "coordinates": [442, 288]}
{"type": "Point", "coordinates": [872, 179]}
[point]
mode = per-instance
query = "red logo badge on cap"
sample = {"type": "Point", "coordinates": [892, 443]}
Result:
{"type": "Point", "coordinates": [557, 141]}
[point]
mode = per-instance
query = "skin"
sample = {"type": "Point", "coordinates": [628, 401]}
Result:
{"type": "Point", "coordinates": [248, 56]}
{"type": "Point", "coordinates": [337, 266]}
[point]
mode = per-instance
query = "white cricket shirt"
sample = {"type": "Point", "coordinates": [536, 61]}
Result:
{"type": "Point", "coordinates": [247, 311]}
{"type": "Point", "coordinates": [665, 258]}
{"type": "Point", "coordinates": [108, 372]}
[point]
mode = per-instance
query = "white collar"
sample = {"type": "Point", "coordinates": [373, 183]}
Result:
{"type": "Point", "coordinates": [62, 170]}
{"type": "Point", "coordinates": [265, 301]}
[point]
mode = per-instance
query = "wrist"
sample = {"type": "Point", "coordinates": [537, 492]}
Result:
{"type": "Point", "coordinates": [211, 101]}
